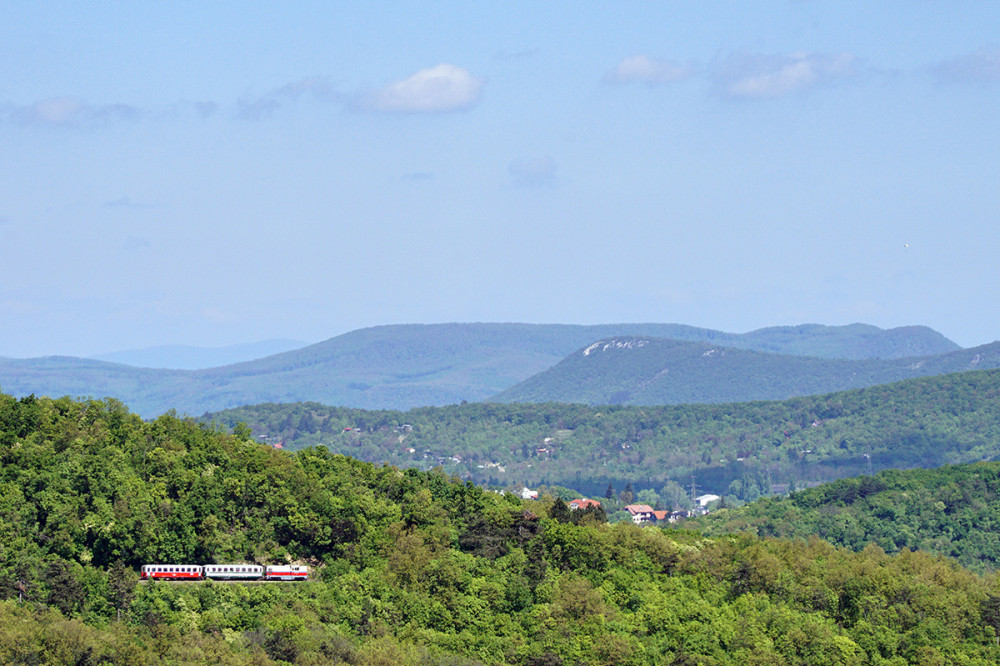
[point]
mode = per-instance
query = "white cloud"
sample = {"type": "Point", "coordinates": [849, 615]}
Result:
{"type": "Point", "coordinates": [761, 76]}
{"type": "Point", "coordinates": [265, 106]}
{"type": "Point", "coordinates": [55, 111]}
{"type": "Point", "coordinates": [437, 89]}
{"type": "Point", "coordinates": [533, 171]}
{"type": "Point", "coordinates": [643, 69]}
{"type": "Point", "coordinates": [69, 111]}
{"type": "Point", "coordinates": [983, 66]}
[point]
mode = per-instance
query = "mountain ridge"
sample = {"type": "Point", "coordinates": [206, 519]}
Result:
{"type": "Point", "coordinates": [192, 357]}
{"type": "Point", "coordinates": [637, 370]}
{"type": "Point", "coordinates": [411, 365]}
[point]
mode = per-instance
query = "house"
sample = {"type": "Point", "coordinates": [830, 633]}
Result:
{"type": "Point", "coordinates": [641, 513]}
{"type": "Point", "coordinates": [529, 494]}
{"type": "Point", "coordinates": [583, 503]}
{"type": "Point", "coordinates": [678, 515]}
{"type": "Point", "coordinates": [704, 500]}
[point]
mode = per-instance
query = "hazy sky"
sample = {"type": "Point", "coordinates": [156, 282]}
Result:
{"type": "Point", "coordinates": [212, 173]}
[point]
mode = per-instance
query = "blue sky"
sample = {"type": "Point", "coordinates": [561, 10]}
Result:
{"type": "Point", "coordinates": [227, 172]}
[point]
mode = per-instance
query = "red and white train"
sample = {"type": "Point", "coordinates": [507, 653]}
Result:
{"type": "Point", "coordinates": [223, 572]}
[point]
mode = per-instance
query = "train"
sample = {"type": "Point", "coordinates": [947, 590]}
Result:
{"type": "Point", "coordinates": [223, 572]}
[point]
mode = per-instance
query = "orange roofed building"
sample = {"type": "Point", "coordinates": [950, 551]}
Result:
{"type": "Point", "coordinates": [641, 513]}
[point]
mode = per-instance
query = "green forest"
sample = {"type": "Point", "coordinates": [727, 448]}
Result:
{"type": "Point", "coordinates": [953, 511]}
{"type": "Point", "coordinates": [741, 450]}
{"type": "Point", "coordinates": [414, 566]}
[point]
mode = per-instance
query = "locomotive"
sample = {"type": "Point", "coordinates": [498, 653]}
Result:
{"type": "Point", "coordinates": [223, 572]}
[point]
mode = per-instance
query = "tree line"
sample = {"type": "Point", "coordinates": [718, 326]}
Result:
{"type": "Point", "coordinates": [414, 566]}
{"type": "Point", "coordinates": [742, 450]}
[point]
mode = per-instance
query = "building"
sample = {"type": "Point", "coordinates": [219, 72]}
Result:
{"type": "Point", "coordinates": [641, 513]}
{"type": "Point", "coordinates": [704, 500]}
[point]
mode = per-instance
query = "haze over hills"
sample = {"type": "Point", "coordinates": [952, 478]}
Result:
{"type": "Point", "coordinates": [650, 371]}
{"type": "Point", "coordinates": [404, 366]}
{"type": "Point", "coordinates": [189, 357]}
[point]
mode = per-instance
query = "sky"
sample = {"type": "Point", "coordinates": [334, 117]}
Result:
{"type": "Point", "coordinates": [218, 173]}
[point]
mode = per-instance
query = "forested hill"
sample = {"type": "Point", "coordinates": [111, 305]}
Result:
{"type": "Point", "coordinates": [636, 370]}
{"type": "Point", "coordinates": [413, 567]}
{"type": "Point", "coordinates": [743, 449]}
{"type": "Point", "coordinates": [398, 367]}
{"type": "Point", "coordinates": [953, 511]}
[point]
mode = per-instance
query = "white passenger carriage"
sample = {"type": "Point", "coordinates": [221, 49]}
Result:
{"type": "Point", "coordinates": [234, 571]}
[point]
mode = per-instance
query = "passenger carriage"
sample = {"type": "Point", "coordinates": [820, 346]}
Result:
{"type": "Point", "coordinates": [234, 571]}
{"type": "Point", "coordinates": [287, 572]}
{"type": "Point", "coordinates": [171, 572]}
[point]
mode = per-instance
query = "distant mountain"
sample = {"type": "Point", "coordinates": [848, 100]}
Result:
{"type": "Point", "coordinates": [637, 370]}
{"type": "Point", "coordinates": [856, 341]}
{"type": "Point", "coordinates": [404, 366]}
{"type": "Point", "coordinates": [186, 357]}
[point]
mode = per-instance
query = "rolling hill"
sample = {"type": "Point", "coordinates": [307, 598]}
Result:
{"type": "Point", "coordinates": [398, 367]}
{"type": "Point", "coordinates": [952, 510]}
{"type": "Point", "coordinates": [187, 357]}
{"type": "Point", "coordinates": [410, 567]}
{"type": "Point", "coordinates": [637, 370]}
{"type": "Point", "coordinates": [923, 422]}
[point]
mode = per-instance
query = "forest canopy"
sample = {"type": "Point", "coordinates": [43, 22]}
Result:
{"type": "Point", "coordinates": [414, 566]}
{"type": "Point", "coordinates": [761, 446]}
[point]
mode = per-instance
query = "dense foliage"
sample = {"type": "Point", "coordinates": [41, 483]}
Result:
{"type": "Point", "coordinates": [398, 367]}
{"type": "Point", "coordinates": [741, 450]}
{"type": "Point", "coordinates": [413, 567]}
{"type": "Point", "coordinates": [953, 511]}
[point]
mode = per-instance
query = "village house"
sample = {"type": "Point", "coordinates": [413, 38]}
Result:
{"type": "Point", "coordinates": [704, 500]}
{"type": "Point", "coordinates": [641, 513]}
{"type": "Point", "coordinates": [583, 503]}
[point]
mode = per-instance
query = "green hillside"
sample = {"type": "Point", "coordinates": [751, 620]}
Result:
{"type": "Point", "coordinates": [636, 370]}
{"type": "Point", "coordinates": [398, 367]}
{"type": "Point", "coordinates": [413, 567]}
{"type": "Point", "coordinates": [953, 511]}
{"type": "Point", "coordinates": [923, 422]}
